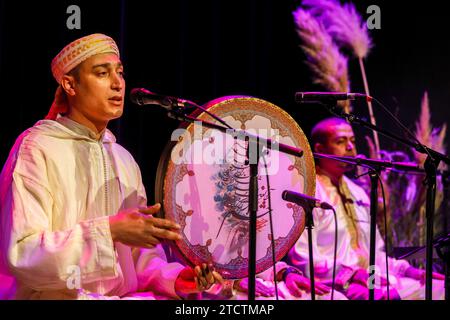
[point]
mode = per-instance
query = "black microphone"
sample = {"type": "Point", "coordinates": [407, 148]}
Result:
{"type": "Point", "coordinates": [143, 97]}
{"type": "Point", "coordinates": [304, 201]}
{"type": "Point", "coordinates": [302, 97]}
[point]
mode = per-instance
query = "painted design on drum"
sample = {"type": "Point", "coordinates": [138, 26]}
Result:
{"type": "Point", "coordinates": [199, 204]}
{"type": "Point", "coordinates": [231, 198]}
{"type": "Point", "coordinates": [228, 200]}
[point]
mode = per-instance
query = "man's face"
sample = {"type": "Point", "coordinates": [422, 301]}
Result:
{"type": "Point", "coordinates": [340, 141]}
{"type": "Point", "coordinates": [100, 89]}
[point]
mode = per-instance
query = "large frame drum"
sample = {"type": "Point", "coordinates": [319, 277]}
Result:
{"type": "Point", "coordinates": [203, 179]}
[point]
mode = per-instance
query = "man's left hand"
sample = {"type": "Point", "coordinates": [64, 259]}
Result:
{"type": "Point", "coordinates": [296, 282]}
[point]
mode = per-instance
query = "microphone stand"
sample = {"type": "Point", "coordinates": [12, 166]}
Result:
{"type": "Point", "coordinates": [254, 143]}
{"type": "Point", "coordinates": [375, 167]}
{"type": "Point", "coordinates": [309, 222]}
{"type": "Point", "coordinates": [431, 163]}
{"type": "Point", "coordinates": [253, 211]}
{"type": "Point", "coordinates": [373, 174]}
{"type": "Point", "coordinates": [309, 225]}
{"type": "Point", "coordinates": [446, 255]}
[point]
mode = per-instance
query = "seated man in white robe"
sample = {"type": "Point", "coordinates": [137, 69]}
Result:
{"type": "Point", "coordinates": [335, 136]}
{"type": "Point", "coordinates": [74, 220]}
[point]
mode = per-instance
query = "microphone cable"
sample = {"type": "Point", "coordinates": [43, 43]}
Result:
{"type": "Point", "coordinates": [272, 238]}
{"type": "Point", "coordinates": [209, 113]}
{"type": "Point", "coordinates": [402, 126]}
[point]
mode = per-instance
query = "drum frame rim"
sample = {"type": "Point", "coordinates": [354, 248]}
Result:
{"type": "Point", "coordinates": [160, 181]}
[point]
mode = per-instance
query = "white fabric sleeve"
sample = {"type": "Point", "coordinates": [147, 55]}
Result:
{"type": "Point", "coordinates": [32, 251]}
{"type": "Point", "coordinates": [141, 194]}
{"type": "Point", "coordinates": [396, 267]}
{"type": "Point", "coordinates": [154, 273]}
{"type": "Point", "coordinates": [323, 254]}
{"type": "Point", "coordinates": [43, 259]}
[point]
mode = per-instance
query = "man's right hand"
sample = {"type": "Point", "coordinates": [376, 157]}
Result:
{"type": "Point", "coordinates": [138, 228]}
{"type": "Point", "coordinates": [296, 283]}
{"type": "Point", "coordinates": [260, 288]}
{"type": "Point", "coordinates": [357, 291]}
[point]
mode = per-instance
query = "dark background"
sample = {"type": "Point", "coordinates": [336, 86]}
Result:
{"type": "Point", "coordinates": [202, 50]}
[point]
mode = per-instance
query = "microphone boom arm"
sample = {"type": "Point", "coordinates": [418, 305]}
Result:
{"type": "Point", "coordinates": [269, 143]}
{"type": "Point", "coordinates": [352, 118]}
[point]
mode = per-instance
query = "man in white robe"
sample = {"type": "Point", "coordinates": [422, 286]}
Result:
{"type": "Point", "coordinates": [335, 136]}
{"type": "Point", "coordinates": [74, 221]}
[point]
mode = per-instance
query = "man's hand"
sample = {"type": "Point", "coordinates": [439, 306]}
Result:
{"type": "Point", "coordinates": [357, 291]}
{"type": "Point", "coordinates": [360, 276]}
{"type": "Point", "coordinates": [138, 228]}
{"type": "Point", "coordinates": [196, 280]}
{"type": "Point", "coordinates": [260, 288]}
{"type": "Point", "coordinates": [420, 274]}
{"type": "Point", "coordinates": [296, 282]}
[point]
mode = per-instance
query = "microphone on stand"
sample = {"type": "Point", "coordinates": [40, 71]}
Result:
{"type": "Point", "coordinates": [308, 204]}
{"type": "Point", "coordinates": [177, 108]}
{"type": "Point", "coordinates": [144, 97]}
{"type": "Point", "coordinates": [304, 97]}
{"type": "Point", "coordinates": [304, 201]}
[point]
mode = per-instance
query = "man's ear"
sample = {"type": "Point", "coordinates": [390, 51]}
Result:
{"type": "Point", "coordinates": [68, 85]}
{"type": "Point", "coordinates": [318, 147]}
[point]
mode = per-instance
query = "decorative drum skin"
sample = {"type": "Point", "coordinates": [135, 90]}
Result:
{"type": "Point", "coordinates": [203, 180]}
